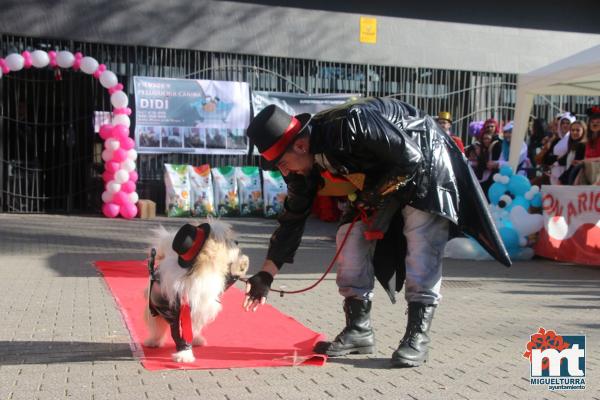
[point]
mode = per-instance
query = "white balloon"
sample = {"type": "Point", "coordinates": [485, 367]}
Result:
{"type": "Point", "coordinates": [107, 155]}
{"type": "Point", "coordinates": [133, 197]}
{"type": "Point", "coordinates": [65, 59]}
{"type": "Point", "coordinates": [525, 223]}
{"type": "Point", "coordinates": [113, 187]}
{"type": "Point", "coordinates": [128, 165]}
{"type": "Point", "coordinates": [89, 65]}
{"type": "Point", "coordinates": [119, 99]}
{"type": "Point", "coordinates": [112, 144]}
{"type": "Point", "coordinates": [121, 176]}
{"type": "Point", "coordinates": [107, 196]}
{"type": "Point", "coordinates": [121, 119]}
{"type": "Point", "coordinates": [132, 154]}
{"type": "Point", "coordinates": [465, 249]}
{"type": "Point", "coordinates": [15, 62]}
{"type": "Point", "coordinates": [108, 79]}
{"type": "Point", "coordinates": [40, 59]}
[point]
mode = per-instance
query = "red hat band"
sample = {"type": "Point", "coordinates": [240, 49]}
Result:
{"type": "Point", "coordinates": [280, 145]}
{"type": "Point", "coordinates": [195, 249]}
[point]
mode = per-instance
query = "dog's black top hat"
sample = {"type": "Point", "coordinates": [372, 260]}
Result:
{"type": "Point", "coordinates": [188, 242]}
{"type": "Point", "coordinates": [273, 131]}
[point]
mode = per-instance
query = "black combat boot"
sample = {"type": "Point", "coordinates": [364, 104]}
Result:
{"type": "Point", "coordinates": [357, 336]}
{"type": "Point", "coordinates": [413, 350]}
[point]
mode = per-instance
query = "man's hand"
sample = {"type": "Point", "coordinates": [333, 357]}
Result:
{"type": "Point", "coordinates": [374, 198]}
{"type": "Point", "coordinates": [258, 286]}
{"type": "Point", "coordinates": [257, 289]}
{"type": "Point", "coordinates": [368, 200]}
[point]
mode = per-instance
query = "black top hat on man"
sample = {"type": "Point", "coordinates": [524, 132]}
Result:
{"type": "Point", "coordinates": [273, 131]}
{"type": "Point", "coordinates": [188, 242]}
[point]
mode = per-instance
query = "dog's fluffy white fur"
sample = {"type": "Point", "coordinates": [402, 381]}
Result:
{"type": "Point", "coordinates": [201, 285]}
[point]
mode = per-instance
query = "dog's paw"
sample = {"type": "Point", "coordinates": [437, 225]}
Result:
{"type": "Point", "coordinates": [184, 356]}
{"type": "Point", "coordinates": [199, 341]}
{"type": "Point", "coordinates": [152, 342]}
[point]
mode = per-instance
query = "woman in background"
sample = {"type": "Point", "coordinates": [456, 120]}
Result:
{"type": "Point", "coordinates": [500, 152]}
{"type": "Point", "coordinates": [557, 151]}
{"type": "Point", "coordinates": [592, 147]}
{"type": "Point", "coordinates": [574, 153]}
{"type": "Point", "coordinates": [539, 130]}
{"type": "Point", "coordinates": [484, 173]}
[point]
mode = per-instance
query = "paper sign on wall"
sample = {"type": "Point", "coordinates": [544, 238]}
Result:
{"type": "Point", "coordinates": [368, 30]}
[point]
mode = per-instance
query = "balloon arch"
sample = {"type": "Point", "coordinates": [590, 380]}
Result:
{"type": "Point", "coordinates": [119, 155]}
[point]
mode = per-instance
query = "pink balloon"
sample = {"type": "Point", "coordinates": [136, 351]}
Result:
{"type": "Point", "coordinates": [128, 187]}
{"type": "Point", "coordinates": [106, 131]}
{"type": "Point", "coordinates": [133, 176]}
{"type": "Point", "coordinates": [119, 155]}
{"type": "Point", "coordinates": [120, 198]}
{"type": "Point", "coordinates": [120, 132]}
{"type": "Point", "coordinates": [110, 210]}
{"type": "Point", "coordinates": [129, 210]}
{"type": "Point", "coordinates": [107, 176]}
{"type": "Point", "coordinates": [112, 166]}
{"type": "Point", "coordinates": [127, 144]}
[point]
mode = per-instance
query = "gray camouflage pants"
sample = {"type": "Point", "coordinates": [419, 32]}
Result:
{"type": "Point", "coordinates": [426, 236]}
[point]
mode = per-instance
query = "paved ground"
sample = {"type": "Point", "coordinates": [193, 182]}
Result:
{"type": "Point", "coordinates": [63, 337]}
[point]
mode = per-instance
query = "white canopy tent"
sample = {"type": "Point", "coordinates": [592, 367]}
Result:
{"type": "Point", "coordinates": [577, 75]}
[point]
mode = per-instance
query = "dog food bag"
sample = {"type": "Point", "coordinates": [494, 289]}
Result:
{"type": "Point", "coordinates": [203, 197]}
{"type": "Point", "coordinates": [251, 200]}
{"type": "Point", "coordinates": [226, 191]}
{"type": "Point", "coordinates": [177, 188]}
{"type": "Point", "coordinates": [274, 192]}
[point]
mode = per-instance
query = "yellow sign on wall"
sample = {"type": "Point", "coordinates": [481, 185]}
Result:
{"type": "Point", "coordinates": [368, 30]}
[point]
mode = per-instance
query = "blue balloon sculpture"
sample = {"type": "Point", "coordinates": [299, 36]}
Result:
{"type": "Point", "coordinates": [510, 198]}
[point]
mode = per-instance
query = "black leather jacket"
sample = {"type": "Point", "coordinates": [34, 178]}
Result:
{"type": "Point", "coordinates": [384, 138]}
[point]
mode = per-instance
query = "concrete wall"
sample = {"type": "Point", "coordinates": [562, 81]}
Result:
{"type": "Point", "coordinates": [267, 28]}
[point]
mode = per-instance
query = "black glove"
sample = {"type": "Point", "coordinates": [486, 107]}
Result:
{"type": "Point", "coordinates": [260, 283]}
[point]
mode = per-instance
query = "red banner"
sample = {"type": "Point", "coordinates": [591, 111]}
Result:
{"type": "Point", "coordinates": [571, 229]}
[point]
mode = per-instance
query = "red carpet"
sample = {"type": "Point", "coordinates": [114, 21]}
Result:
{"type": "Point", "coordinates": [236, 339]}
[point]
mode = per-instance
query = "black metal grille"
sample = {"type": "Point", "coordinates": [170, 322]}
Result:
{"type": "Point", "coordinates": [50, 157]}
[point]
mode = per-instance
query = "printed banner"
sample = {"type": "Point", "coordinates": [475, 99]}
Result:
{"type": "Point", "coordinates": [571, 229]}
{"type": "Point", "coordinates": [294, 103]}
{"type": "Point", "coordinates": [191, 116]}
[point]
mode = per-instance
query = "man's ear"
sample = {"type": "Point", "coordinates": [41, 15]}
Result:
{"type": "Point", "coordinates": [301, 145]}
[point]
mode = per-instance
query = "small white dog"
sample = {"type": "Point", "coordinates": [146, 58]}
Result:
{"type": "Point", "coordinates": [195, 266]}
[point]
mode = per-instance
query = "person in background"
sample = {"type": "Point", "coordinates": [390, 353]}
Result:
{"type": "Point", "coordinates": [500, 152]}
{"type": "Point", "coordinates": [539, 130]}
{"type": "Point", "coordinates": [444, 120]}
{"type": "Point", "coordinates": [487, 135]}
{"type": "Point", "coordinates": [484, 174]}
{"type": "Point", "coordinates": [564, 123]}
{"type": "Point", "coordinates": [574, 153]}
{"type": "Point", "coordinates": [543, 158]}
{"type": "Point", "coordinates": [553, 155]}
{"type": "Point", "coordinates": [553, 126]}
{"type": "Point", "coordinates": [472, 153]}
{"type": "Point", "coordinates": [592, 147]}
{"type": "Point", "coordinates": [491, 127]}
